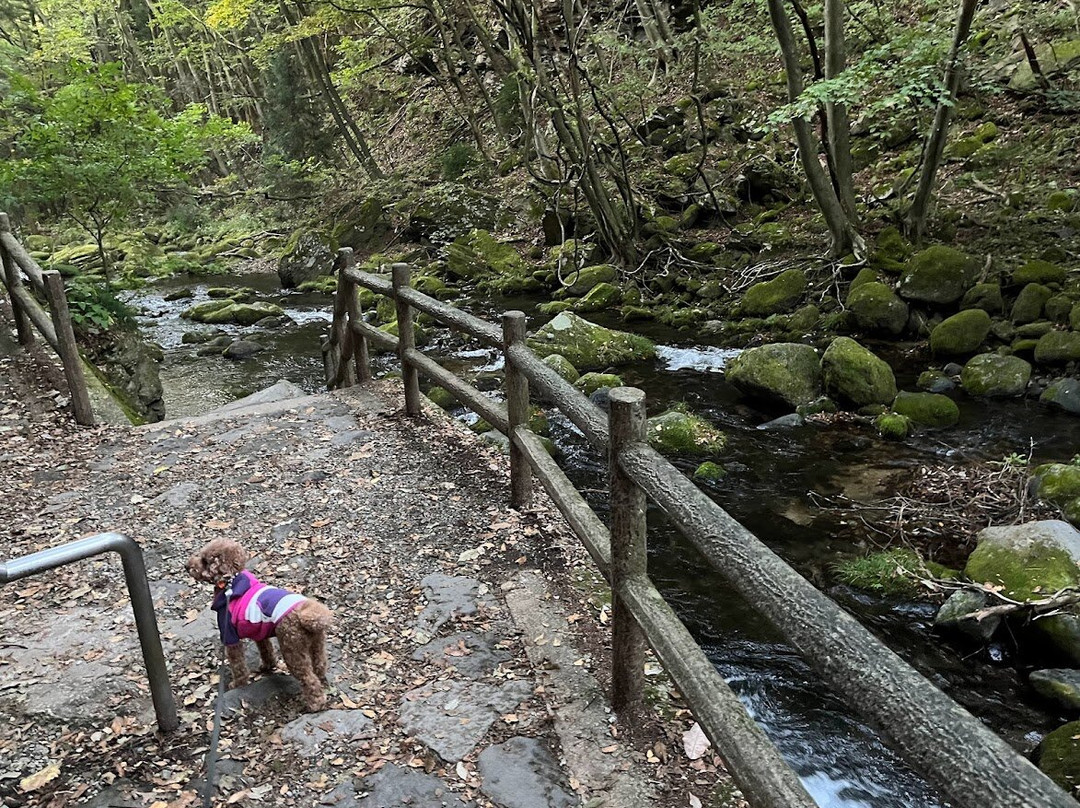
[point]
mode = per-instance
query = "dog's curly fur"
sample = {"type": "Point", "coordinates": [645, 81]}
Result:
{"type": "Point", "coordinates": [301, 633]}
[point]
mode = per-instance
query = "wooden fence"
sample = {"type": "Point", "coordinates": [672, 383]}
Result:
{"type": "Point", "coordinates": [970, 765]}
{"type": "Point", "coordinates": [54, 325]}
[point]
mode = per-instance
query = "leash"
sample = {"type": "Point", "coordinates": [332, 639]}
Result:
{"type": "Point", "coordinates": [215, 736]}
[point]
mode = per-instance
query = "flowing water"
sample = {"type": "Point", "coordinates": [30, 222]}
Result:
{"type": "Point", "coordinates": [772, 473]}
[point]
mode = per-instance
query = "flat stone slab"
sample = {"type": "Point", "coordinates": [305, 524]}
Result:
{"type": "Point", "coordinates": [179, 496]}
{"type": "Point", "coordinates": [309, 732]}
{"type": "Point", "coordinates": [448, 596]}
{"type": "Point", "coordinates": [470, 654]}
{"type": "Point", "coordinates": [453, 717]}
{"type": "Point", "coordinates": [260, 691]}
{"type": "Point", "coordinates": [282, 391]}
{"type": "Point", "coordinates": [393, 786]}
{"type": "Point", "coordinates": [522, 773]}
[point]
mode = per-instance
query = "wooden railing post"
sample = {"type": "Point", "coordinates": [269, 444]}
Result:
{"type": "Point", "coordinates": [517, 410]}
{"type": "Point", "coordinates": [361, 355]}
{"type": "Point", "coordinates": [66, 347]}
{"type": "Point", "coordinates": [341, 341]}
{"type": "Point", "coordinates": [406, 339]}
{"type": "Point", "coordinates": [628, 550]}
{"type": "Point", "coordinates": [13, 281]}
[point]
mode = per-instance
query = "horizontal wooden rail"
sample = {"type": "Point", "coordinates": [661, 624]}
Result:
{"type": "Point", "coordinates": [965, 760]}
{"type": "Point", "coordinates": [54, 325]}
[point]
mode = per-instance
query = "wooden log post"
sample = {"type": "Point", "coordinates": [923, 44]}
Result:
{"type": "Point", "coordinates": [13, 281]}
{"type": "Point", "coordinates": [341, 341]}
{"type": "Point", "coordinates": [628, 551]}
{"type": "Point", "coordinates": [67, 349]}
{"type": "Point", "coordinates": [361, 353]}
{"type": "Point", "coordinates": [406, 339]}
{"type": "Point", "coordinates": [517, 410]}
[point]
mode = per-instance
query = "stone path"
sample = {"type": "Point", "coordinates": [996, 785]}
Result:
{"type": "Point", "coordinates": [445, 691]}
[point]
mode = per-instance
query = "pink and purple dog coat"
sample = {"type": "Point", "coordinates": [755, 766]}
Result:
{"type": "Point", "coordinates": [248, 609]}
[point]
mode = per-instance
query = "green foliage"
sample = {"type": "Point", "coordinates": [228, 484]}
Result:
{"type": "Point", "coordinates": [457, 159]}
{"type": "Point", "coordinates": [293, 124]}
{"type": "Point", "coordinates": [892, 572]}
{"type": "Point", "coordinates": [94, 308]}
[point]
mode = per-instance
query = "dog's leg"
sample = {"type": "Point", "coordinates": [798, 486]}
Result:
{"type": "Point", "coordinates": [318, 656]}
{"type": "Point", "coordinates": [296, 649]}
{"type": "Point", "coordinates": [237, 666]}
{"type": "Point", "coordinates": [269, 658]}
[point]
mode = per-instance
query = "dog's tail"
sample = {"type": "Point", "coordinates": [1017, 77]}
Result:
{"type": "Point", "coordinates": [314, 617]}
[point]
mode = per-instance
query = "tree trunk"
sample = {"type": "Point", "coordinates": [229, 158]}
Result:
{"type": "Point", "coordinates": [935, 141]}
{"type": "Point", "coordinates": [836, 115]}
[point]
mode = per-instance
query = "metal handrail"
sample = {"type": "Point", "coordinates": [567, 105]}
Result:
{"type": "Point", "coordinates": [142, 604]}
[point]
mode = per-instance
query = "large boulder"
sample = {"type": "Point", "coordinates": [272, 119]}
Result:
{"type": "Point", "coordinates": [307, 255]}
{"type": "Point", "coordinates": [677, 432]}
{"type": "Point", "coordinates": [1058, 756]}
{"type": "Point", "coordinates": [1029, 304]}
{"type": "Point", "coordinates": [955, 615]}
{"type": "Point", "coordinates": [995, 376]}
{"type": "Point", "coordinates": [563, 366]}
{"type": "Point", "coordinates": [938, 275]}
{"type": "Point", "coordinates": [236, 313]}
{"type": "Point", "coordinates": [588, 345]}
{"type": "Point", "coordinates": [985, 296]}
{"type": "Point", "coordinates": [601, 297]}
{"type": "Point", "coordinates": [131, 368]}
{"type": "Point", "coordinates": [927, 409]}
{"type": "Point", "coordinates": [878, 308]}
{"type": "Point", "coordinates": [1038, 272]}
{"type": "Point", "coordinates": [962, 333]}
{"type": "Point", "coordinates": [447, 211]}
{"type": "Point", "coordinates": [581, 282]}
{"type": "Point", "coordinates": [784, 372]}
{"type": "Point", "coordinates": [478, 254]}
{"type": "Point", "coordinates": [1057, 482]}
{"type": "Point", "coordinates": [364, 225]}
{"type": "Point", "coordinates": [1058, 347]}
{"type": "Point", "coordinates": [1060, 685]}
{"type": "Point", "coordinates": [775, 296]}
{"type": "Point", "coordinates": [1031, 561]}
{"type": "Point", "coordinates": [1063, 394]}
{"type": "Point", "coordinates": [854, 374]}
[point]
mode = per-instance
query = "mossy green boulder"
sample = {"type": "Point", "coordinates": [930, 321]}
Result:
{"type": "Point", "coordinates": [1058, 347]}
{"type": "Point", "coordinates": [589, 383]}
{"type": "Point", "coordinates": [1060, 685]}
{"type": "Point", "coordinates": [325, 285]}
{"type": "Point", "coordinates": [893, 426]}
{"type": "Point", "coordinates": [1058, 756]}
{"type": "Point", "coordinates": [995, 376]}
{"type": "Point", "coordinates": [1038, 271]}
{"type": "Point", "coordinates": [588, 345]}
{"type": "Point", "coordinates": [785, 373]}
{"type": "Point", "coordinates": [420, 334]}
{"type": "Point", "coordinates": [985, 296]}
{"type": "Point", "coordinates": [442, 398]}
{"type": "Point", "coordinates": [938, 275]}
{"type": "Point", "coordinates": [853, 374]}
{"type": "Point", "coordinates": [1057, 482]}
{"type": "Point", "coordinates": [202, 310]}
{"type": "Point", "coordinates": [1030, 561]}
{"type": "Point", "coordinates": [927, 409]}
{"type": "Point", "coordinates": [1060, 201]}
{"type": "Point", "coordinates": [581, 282]}
{"type": "Point", "coordinates": [601, 297]}
{"type": "Point", "coordinates": [775, 296]}
{"type": "Point", "coordinates": [563, 366]}
{"type": "Point", "coordinates": [677, 432]}
{"type": "Point", "coordinates": [890, 251]}
{"type": "Point", "coordinates": [1029, 304]}
{"type": "Point", "coordinates": [479, 254]}
{"type": "Point", "coordinates": [866, 275]}
{"type": "Point", "coordinates": [962, 333]}
{"type": "Point", "coordinates": [306, 255]}
{"type": "Point", "coordinates": [710, 472]}
{"type": "Point", "coordinates": [877, 308]}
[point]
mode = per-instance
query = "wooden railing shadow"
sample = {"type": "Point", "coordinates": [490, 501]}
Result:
{"type": "Point", "coordinates": [54, 325]}
{"type": "Point", "coordinates": [971, 766]}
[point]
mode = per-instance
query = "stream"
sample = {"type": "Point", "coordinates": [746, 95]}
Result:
{"type": "Point", "coordinates": [842, 762]}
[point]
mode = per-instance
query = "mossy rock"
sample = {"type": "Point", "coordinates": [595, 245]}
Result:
{"type": "Point", "coordinates": [1039, 328]}
{"type": "Point", "coordinates": [581, 282]}
{"type": "Point", "coordinates": [784, 372]}
{"type": "Point", "coordinates": [938, 275]}
{"type": "Point", "coordinates": [712, 289]}
{"type": "Point", "coordinates": [83, 256]}
{"type": "Point", "coordinates": [324, 286]}
{"type": "Point", "coordinates": [1029, 303]}
{"type": "Point", "coordinates": [478, 254]}
{"type": "Point", "coordinates": [892, 572]}
{"type": "Point", "coordinates": [963, 148]}
{"type": "Point", "coordinates": [589, 383]}
{"type": "Point", "coordinates": [307, 255]}
{"type": "Point", "coordinates": [853, 374]}
{"type": "Point", "coordinates": [985, 296]}
{"type": "Point", "coordinates": [683, 166]}
{"type": "Point", "coordinates": [1058, 756]}
{"type": "Point", "coordinates": [775, 296]}
{"type": "Point", "coordinates": [200, 311]}
{"type": "Point", "coordinates": [563, 366]}
{"type": "Point", "coordinates": [572, 254]}
{"type": "Point", "coordinates": [442, 398]}
{"type": "Point", "coordinates": [1063, 394]}
{"type": "Point", "coordinates": [995, 376]}
{"type": "Point", "coordinates": [555, 307]}
{"type": "Point", "coordinates": [1061, 201]}
{"type": "Point", "coordinates": [1057, 482]}
{"type": "Point", "coordinates": [630, 314]}
{"type": "Point", "coordinates": [934, 381]}
{"type": "Point", "coordinates": [601, 297]}
{"type": "Point", "coordinates": [243, 313]}
{"type": "Point", "coordinates": [433, 287]}
{"type": "Point", "coordinates": [962, 333]}
{"type": "Point", "coordinates": [1074, 317]}
{"type": "Point", "coordinates": [677, 432]}
{"type": "Point", "coordinates": [1058, 347]}
{"type": "Point", "coordinates": [877, 308]}
{"type": "Point", "coordinates": [1058, 308]}
{"type": "Point", "coordinates": [890, 251]}
{"type": "Point", "coordinates": [927, 409]}
{"type": "Point", "coordinates": [1038, 271]}
{"type": "Point", "coordinates": [710, 472]}
{"type": "Point", "coordinates": [704, 251]}
{"type": "Point", "coordinates": [587, 345]}
{"type": "Point", "coordinates": [803, 320]}
{"type": "Point", "coordinates": [987, 132]}
{"type": "Point", "coordinates": [420, 334]}
{"type": "Point", "coordinates": [866, 275]}
{"type": "Point", "coordinates": [893, 426]}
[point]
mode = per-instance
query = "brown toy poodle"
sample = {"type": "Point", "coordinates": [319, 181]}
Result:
{"type": "Point", "coordinates": [250, 610]}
